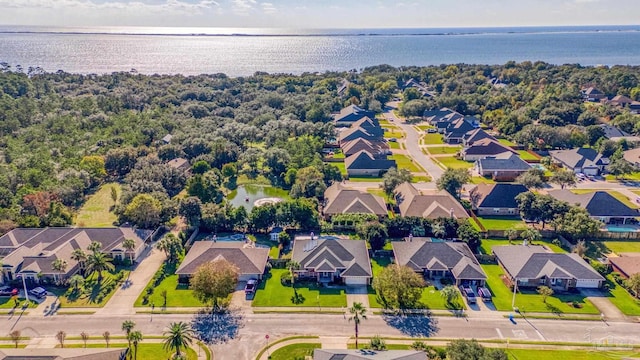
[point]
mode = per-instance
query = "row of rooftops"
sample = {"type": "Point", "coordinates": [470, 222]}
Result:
{"type": "Point", "coordinates": [595, 95]}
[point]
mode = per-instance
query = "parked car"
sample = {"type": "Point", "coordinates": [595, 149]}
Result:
{"type": "Point", "coordinates": [251, 286]}
{"type": "Point", "coordinates": [468, 294]}
{"type": "Point", "coordinates": [431, 131]}
{"type": "Point", "coordinates": [38, 292]}
{"type": "Point", "coordinates": [393, 140]}
{"type": "Point", "coordinates": [7, 291]}
{"type": "Point", "coordinates": [484, 294]}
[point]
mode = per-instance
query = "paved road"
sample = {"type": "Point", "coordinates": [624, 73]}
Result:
{"type": "Point", "coordinates": [412, 144]}
{"type": "Point", "coordinates": [255, 326]}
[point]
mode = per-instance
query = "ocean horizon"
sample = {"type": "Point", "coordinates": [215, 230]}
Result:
{"type": "Point", "coordinates": [244, 51]}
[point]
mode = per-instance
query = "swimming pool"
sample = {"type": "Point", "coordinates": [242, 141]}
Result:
{"type": "Point", "coordinates": [622, 228]}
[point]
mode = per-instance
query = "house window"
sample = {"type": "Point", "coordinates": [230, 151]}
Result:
{"type": "Point", "coordinates": [553, 281]}
{"type": "Point", "coordinates": [496, 210]}
{"type": "Point", "coordinates": [542, 281]}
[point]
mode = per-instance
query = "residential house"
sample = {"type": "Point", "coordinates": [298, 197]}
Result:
{"type": "Point", "coordinates": [377, 148]}
{"type": "Point", "coordinates": [363, 163]}
{"type": "Point", "coordinates": [339, 199]}
{"type": "Point", "coordinates": [344, 85]}
{"type": "Point", "coordinates": [581, 160]}
{"type": "Point", "coordinates": [354, 134]}
{"type": "Point", "coordinates": [615, 134]}
{"type": "Point", "coordinates": [593, 94]}
{"type": "Point", "coordinates": [422, 87]}
{"type": "Point", "coordinates": [274, 234]}
{"type": "Point", "coordinates": [626, 264]}
{"type": "Point", "coordinates": [634, 107]}
{"type": "Point", "coordinates": [32, 252]}
{"type": "Point", "coordinates": [454, 133]}
{"type": "Point", "coordinates": [250, 260]}
{"type": "Point", "coordinates": [330, 259]}
{"type": "Point", "coordinates": [372, 126]}
{"type": "Point", "coordinates": [632, 156]}
{"type": "Point", "coordinates": [533, 266]}
{"type": "Point", "coordinates": [476, 135]}
{"type": "Point", "coordinates": [620, 100]}
{"type": "Point", "coordinates": [368, 354]}
{"type": "Point", "coordinates": [600, 205]}
{"type": "Point", "coordinates": [496, 199]}
{"type": "Point", "coordinates": [63, 354]}
{"type": "Point", "coordinates": [440, 259]}
{"type": "Point", "coordinates": [441, 118]}
{"type": "Point", "coordinates": [483, 148]}
{"type": "Point", "coordinates": [430, 206]}
{"type": "Point", "coordinates": [180, 164]}
{"type": "Point", "coordinates": [503, 167]}
{"type": "Point", "coordinates": [351, 114]}
{"type": "Point", "coordinates": [167, 139]}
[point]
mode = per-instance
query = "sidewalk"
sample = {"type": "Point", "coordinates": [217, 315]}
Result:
{"type": "Point", "coordinates": [121, 303]}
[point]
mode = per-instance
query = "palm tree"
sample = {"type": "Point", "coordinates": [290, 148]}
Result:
{"type": "Point", "coordinates": [438, 230]}
{"type": "Point", "coordinates": [129, 245]}
{"type": "Point", "coordinates": [99, 262]}
{"type": "Point", "coordinates": [178, 335]}
{"type": "Point", "coordinates": [59, 265]}
{"type": "Point", "coordinates": [80, 256]}
{"type": "Point", "coordinates": [358, 312]}
{"type": "Point", "coordinates": [135, 337]}
{"type": "Point", "coordinates": [61, 335]}
{"type": "Point", "coordinates": [76, 281]}
{"type": "Point", "coordinates": [127, 327]}
{"type": "Point", "coordinates": [94, 246]}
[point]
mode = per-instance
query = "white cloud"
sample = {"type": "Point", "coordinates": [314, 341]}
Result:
{"type": "Point", "coordinates": [268, 8]}
{"type": "Point", "coordinates": [167, 6]}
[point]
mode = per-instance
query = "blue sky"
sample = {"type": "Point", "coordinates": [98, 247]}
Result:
{"type": "Point", "coordinates": [318, 13]}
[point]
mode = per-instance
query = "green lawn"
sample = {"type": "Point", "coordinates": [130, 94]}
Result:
{"type": "Point", "coordinates": [430, 139]}
{"type": "Point", "coordinates": [527, 156]}
{"type": "Point", "coordinates": [530, 301]}
{"type": "Point", "coordinates": [271, 292]}
{"type": "Point", "coordinates": [622, 299]}
{"type": "Point", "coordinates": [92, 294]}
{"type": "Point", "coordinates": [7, 302]}
{"type": "Point", "coordinates": [145, 351]}
{"type": "Point", "coordinates": [265, 239]}
{"type": "Point", "coordinates": [420, 178]}
{"type": "Point", "coordinates": [294, 351]}
{"type": "Point", "coordinates": [340, 166]}
{"type": "Point", "coordinates": [394, 145]}
{"type": "Point", "coordinates": [440, 150]}
{"type": "Point", "coordinates": [379, 263]}
{"type": "Point", "coordinates": [405, 162]}
{"type": "Point", "coordinates": [365, 179]}
{"type": "Point", "coordinates": [178, 295]}
{"type": "Point", "coordinates": [453, 163]}
{"type": "Point", "coordinates": [430, 299]}
{"type": "Point", "coordinates": [506, 142]}
{"type": "Point", "coordinates": [481, 179]}
{"type": "Point", "coordinates": [393, 134]}
{"type": "Point", "coordinates": [259, 180]}
{"type": "Point", "coordinates": [98, 210]}
{"type": "Point", "coordinates": [622, 246]}
{"type": "Point", "coordinates": [501, 222]}
{"type": "Point", "coordinates": [425, 127]}
{"type": "Point", "coordinates": [632, 176]}
{"type": "Point", "coordinates": [487, 244]}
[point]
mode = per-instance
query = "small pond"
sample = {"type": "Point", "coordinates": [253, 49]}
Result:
{"type": "Point", "coordinates": [247, 195]}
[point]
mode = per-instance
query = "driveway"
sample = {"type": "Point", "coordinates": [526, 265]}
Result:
{"type": "Point", "coordinates": [412, 144]}
{"type": "Point", "coordinates": [357, 294]}
{"type": "Point", "coordinates": [597, 298]}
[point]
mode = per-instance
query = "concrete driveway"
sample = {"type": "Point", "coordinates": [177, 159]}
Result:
{"type": "Point", "coordinates": [357, 294]}
{"type": "Point", "coordinates": [600, 301]}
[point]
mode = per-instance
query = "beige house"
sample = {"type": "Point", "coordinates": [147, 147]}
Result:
{"type": "Point", "coordinates": [339, 199]}
{"type": "Point", "coordinates": [412, 202]}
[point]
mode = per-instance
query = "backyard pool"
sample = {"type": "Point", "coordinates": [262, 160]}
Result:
{"type": "Point", "coordinates": [252, 195]}
{"type": "Point", "coordinates": [622, 228]}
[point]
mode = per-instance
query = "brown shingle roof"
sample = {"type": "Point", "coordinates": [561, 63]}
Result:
{"type": "Point", "coordinates": [431, 206]}
{"type": "Point", "coordinates": [342, 200]}
{"type": "Point", "coordinates": [453, 256]}
{"type": "Point", "coordinates": [349, 256]}
{"type": "Point", "coordinates": [628, 264]}
{"type": "Point", "coordinates": [248, 260]}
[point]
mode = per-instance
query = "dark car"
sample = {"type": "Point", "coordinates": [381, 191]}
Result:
{"type": "Point", "coordinates": [38, 292]}
{"type": "Point", "coordinates": [250, 288]}
{"type": "Point", "coordinates": [468, 293]}
{"type": "Point", "coordinates": [8, 291]}
{"type": "Point", "coordinates": [484, 294]}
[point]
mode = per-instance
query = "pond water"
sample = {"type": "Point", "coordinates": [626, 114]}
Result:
{"type": "Point", "coordinates": [247, 195]}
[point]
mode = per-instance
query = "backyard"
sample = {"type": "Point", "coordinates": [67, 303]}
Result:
{"type": "Point", "coordinates": [98, 210]}
{"type": "Point", "coordinates": [429, 139]}
{"type": "Point", "coordinates": [178, 295]}
{"type": "Point", "coordinates": [272, 293]}
{"type": "Point", "coordinates": [530, 301]}
{"type": "Point", "coordinates": [501, 222]}
{"type": "Point", "coordinates": [451, 162]}
{"type": "Point", "coordinates": [405, 162]}
{"type": "Point", "coordinates": [527, 156]}
{"type": "Point", "coordinates": [487, 244]}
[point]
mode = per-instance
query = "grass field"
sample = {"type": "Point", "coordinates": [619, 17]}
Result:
{"type": "Point", "coordinates": [420, 178]}
{"type": "Point", "coordinates": [394, 145]}
{"type": "Point", "coordinates": [481, 180]}
{"type": "Point", "coordinates": [501, 222]}
{"type": "Point", "coordinates": [405, 162]}
{"type": "Point", "coordinates": [430, 139]}
{"type": "Point", "coordinates": [527, 156]}
{"type": "Point", "coordinates": [92, 294]}
{"type": "Point", "coordinates": [7, 303]}
{"type": "Point", "coordinates": [622, 246]}
{"type": "Point", "coordinates": [487, 244]}
{"type": "Point", "coordinates": [622, 299]}
{"type": "Point", "coordinates": [365, 179]}
{"type": "Point", "coordinates": [340, 166]}
{"type": "Point", "coordinates": [178, 295]}
{"type": "Point", "coordinates": [623, 198]}
{"type": "Point", "coordinates": [271, 292]}
{"type": "Point", "coordinates": [530, 301]}
{"type": "Point", "coordinates": [430, 299]}
{"type": "Point", "coordinates": [424, 127]}
{"type": "Point", "coordinates": [145, 351]}
{"type": "Point", "coordinates": [393, 133]}
{"type": "Point", "coordinates": [453, 163]}
{"type": "Point", "coordinates": [441, 150]}
{"type": "Point", "coordinates": [506, 142]}
{"type": "Point", "coordinates": [294, 351]}
{"type": "Point", "coordinates": [97, 211]}
{"type": "Point", "coordinates": [633, 176]}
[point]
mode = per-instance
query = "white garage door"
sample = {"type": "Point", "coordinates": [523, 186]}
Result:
{"type": "Point", "coordinates": [356, 280]}
{"type": "Point", "coordinates": [590, 171]}
{"type": "Point", "coordinates": [589, 284]}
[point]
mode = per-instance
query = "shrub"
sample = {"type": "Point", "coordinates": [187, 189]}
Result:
{"type": "Point", "coordinates": [377, 343]}
{"type": "Point", "coordinates": [285, 278]}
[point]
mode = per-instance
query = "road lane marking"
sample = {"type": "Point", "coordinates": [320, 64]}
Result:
{"type": "Point", "coordinates": [499, 333]}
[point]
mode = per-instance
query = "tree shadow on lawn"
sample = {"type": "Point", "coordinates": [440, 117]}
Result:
{"type": "Point", "coordinates": [413, 325]}
{"type": "Point", "coordinates": [218, 327]}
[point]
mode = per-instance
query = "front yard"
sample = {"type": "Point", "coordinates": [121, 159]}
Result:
{"type": "Point", "coordinates": [405, 162]}
{"type": "Point", "coordinates": [429, 139]}
{"type": "Point", "coordinates": [501, 222]}
{"type": "Point", "coordinates": [442, 150]}
{"type": "Point", "coordinates": [430, 299]}
{"type": "Point", "coordinates": [529, 301]}
{"type": "Point", "coordinates": [178, 295]}
{"type": "Point", "coordinates": [92, 293]}
{"type": "Point", "coordinates": [622, 299]}
{"type": "Point", "coordinates": [451, 162]}
{"type": "Point", "coordinates": [272, 293]}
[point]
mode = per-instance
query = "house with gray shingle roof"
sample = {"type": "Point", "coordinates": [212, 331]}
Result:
{"type": "Point", "coordinates": [412, 202]}
{"type": "Point", "coordinates": [483, 148]}
{"type": "Point", "coordinates": [31, 252]}
{"type": "Point", "coordinates": [354, 134]}
{"type": "Point", "coordinates": [593, 94]}
{"type": "Point", "coordinates": [533, 266]}
{"type": "Point", "coordinates": [454, 133]}
{"type": "Point", "coordinates": [331, 259]}
{"type": "Point", "coordinates": [339, 199]}
{"type": "Point", "coordinates": [440, 259]}
{"type": "Point", "coordinates": [599, 204]}
{"type": "Point", "coordinates": [250, 261]}
{"type": "Point", "coordinates": [377, 148]}
{"type": "Point", "coordinates": [581, 160]}
{"type": "Point", "coordinates": [503, 167]}
{"type": "Point", "coordinates": [496, 199]}
{"type": "Point", "coordinates": [351, 114]}
{"type": "Point", "coordinates": [363, 163]}
{"type": "Point", "coordinates": [475, 135]}
{"type": "Point", "coordinates": [368, 354]}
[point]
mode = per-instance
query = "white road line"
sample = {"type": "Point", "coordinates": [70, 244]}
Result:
{"type": "Point", "coordinates": [499, 333]}
{"type": "Point", "coordinates": [540, 335]}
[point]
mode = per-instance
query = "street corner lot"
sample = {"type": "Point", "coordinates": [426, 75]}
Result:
{"type": "Point", "coordinates": [272, 293]}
